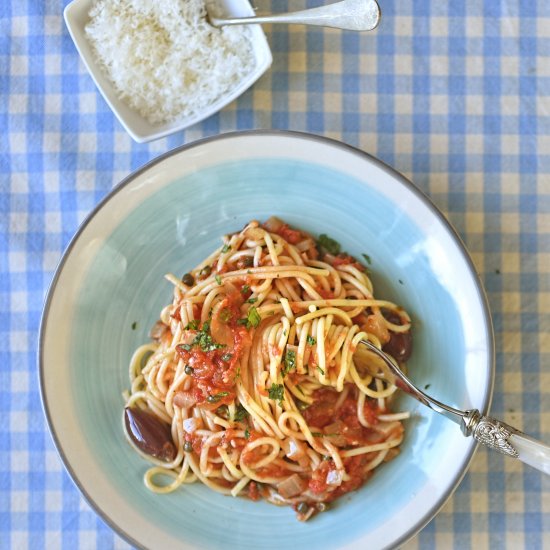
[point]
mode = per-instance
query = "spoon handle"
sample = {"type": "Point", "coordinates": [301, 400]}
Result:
{"type": "Point", "coordinates": [355, 15]}
{"type": "Point", "coordinates": [507, 440]}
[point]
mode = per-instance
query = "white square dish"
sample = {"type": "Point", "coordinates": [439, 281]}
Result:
{"type": "Point", "coordinates": [76, 16]}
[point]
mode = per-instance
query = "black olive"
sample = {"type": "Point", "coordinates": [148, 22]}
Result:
{"type": "Point", "coordinates": [149, 433]}
{"type": "Point", "coordinates": [188, 447]}
{"type": "Point", "coordinates": [189, 369]}
{"type": "Point", "coordinates": [302, 508]}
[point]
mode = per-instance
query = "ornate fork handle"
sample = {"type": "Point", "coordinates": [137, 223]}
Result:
{"type": "Point", "coordinates": [506, 440]}
{"type": "Point", "coordinates": [491, 432]}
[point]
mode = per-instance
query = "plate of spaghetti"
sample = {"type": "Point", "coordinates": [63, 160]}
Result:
{"type": "Point", "coordinates": [200, 363]}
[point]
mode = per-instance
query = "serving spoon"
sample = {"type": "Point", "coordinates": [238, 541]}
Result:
{"type": "Point", "coordinates": [489, 431]}
{"type": "Point", "coordinates": [354, 15]}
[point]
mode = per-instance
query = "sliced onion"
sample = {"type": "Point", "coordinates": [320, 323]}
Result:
{"type": "Point", "coordinates": [273, 224]}
{"type": "Point", "coordinates": [184, 399]}
{"type": "Point", "coordinates": [335, 478]}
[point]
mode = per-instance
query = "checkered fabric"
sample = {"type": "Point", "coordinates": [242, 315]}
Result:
{"type": "Point", "coordinates": [454, 94]}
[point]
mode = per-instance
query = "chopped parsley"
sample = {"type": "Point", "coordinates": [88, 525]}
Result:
{"type": "Point", "coordinates": [227, 357]}
{"type": "Point", "coordinates": [367, 258]}
{"type": "Point", "coordinates": [310, 340]}
{"type": "Point", "coordinates": [203, 340]}
{"type": "Point", "coordinates": [320, 370]}
{"type": "Point", "coordinates": [246, 434]}
{"type": "Point", "coordinates": [215, 398]}
{"type": "Point", "coordinates": [326, 244]}
{"type": "Point", "coordinates": [252, 300]}
{"type": "Point", "coordinates": [245, 289]}
{"type": "Point", "coordinates": [218, 279]}
{"type": "Point", "coordinates": [289, 362]}
{"type": "Point", "coordinates": [226, 248]}
{"type": "Point", "coordinates": [253, 318]}
{"type": "Point", "coordinates": [240, 414]}
{"type": "Point", "coordinates": [277, 392]}
{"type": "Point", "coordinates": [317, 434]}
{"type": "Point", "coordinates": [134, 325]}
{"type": "Point", "coordinates": [192, 325]}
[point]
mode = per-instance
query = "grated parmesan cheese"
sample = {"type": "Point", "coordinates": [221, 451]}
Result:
{"type": "Point", "coordinates": [163, 58]}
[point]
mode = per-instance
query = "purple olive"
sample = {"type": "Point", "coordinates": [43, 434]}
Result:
{"type": "Point", "coordinates": [149, 433]}
{"type": "Point", "coordinates": [399, 345]}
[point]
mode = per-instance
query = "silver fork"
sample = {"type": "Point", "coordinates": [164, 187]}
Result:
{"type": "Point", "coordinates": [355, 15]}
{"type": "Point", "coordinates": [489, 431]}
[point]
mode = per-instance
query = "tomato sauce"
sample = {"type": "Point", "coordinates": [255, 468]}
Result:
{"type": "Point", "coordinates": [345, 259]}
{"type": "Point", "coordinates": [322, 413]}
{"type": "Point", "coordinates": [215, 365]}
{"type": "Point", "coordinates": [293, 236]}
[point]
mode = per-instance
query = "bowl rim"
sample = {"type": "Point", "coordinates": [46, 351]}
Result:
{"type": "Point", "coordinates": [128, 117]}
{"type": "Point", "coordinates": [483, 301]}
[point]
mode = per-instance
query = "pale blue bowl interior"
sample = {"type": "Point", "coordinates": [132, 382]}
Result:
{"type": "Point", "coordinates": [172, 231]}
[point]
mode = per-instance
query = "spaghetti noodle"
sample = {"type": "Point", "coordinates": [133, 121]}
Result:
{"type": "Point", "coordinates": [253, 384]}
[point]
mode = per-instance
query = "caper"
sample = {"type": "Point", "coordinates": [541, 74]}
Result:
{"type": "Point", "coordinates": [188, 447]}
{"type": "Point", "coordinates": [206, 270]}
{"type": "Point", "coordinates": [188, 279]}
{"type": "Point", "coordinates": [302, 508]}
{"type": "Point", "coordinates": [189, 370]}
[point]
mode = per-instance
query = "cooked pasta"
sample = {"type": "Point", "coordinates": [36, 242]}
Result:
{"type": "Point", "coordinates": [253, 384]}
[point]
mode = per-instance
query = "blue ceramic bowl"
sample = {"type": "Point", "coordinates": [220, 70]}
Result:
{"type": "Point", "coordinates": [109, 289]}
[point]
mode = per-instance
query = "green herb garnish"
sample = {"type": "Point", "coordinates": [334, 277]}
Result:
{"type": "Point", "coordinates": [245, 289]}
{"type": "Point", "coordinates": [253, 318]}
{"type": "Point", "coordinates": [252, 300]}
{"type": "Point", "coordinates": [240, 414]}
{"type": "Point", "coordinates": [277, 392]}
{"type": "Point", "coordinates": [289, 362]}
{"type": "Point", "coordinates": [367, 258]}
{"type": "Point", "coordinates": [328, 245]}
{"type": "Point", "coordinates": [246, 434]}
{"type": "Point", "coordinates": [203, 340]}
{"type": "Point", "coordinates": [218, 279]}
{"type": "Point", "coordinates": [192, 325]}
{"type": "Point", "coordinates": [226, 248]}
{"type": "Point", "coordinates": [227, 357]}
{"type": "Point", "coordinates": [320, 370]}
{"type": "Point", "coordinates": [215, 398]}
{"type": "Point", "coordinates": [310, 340]}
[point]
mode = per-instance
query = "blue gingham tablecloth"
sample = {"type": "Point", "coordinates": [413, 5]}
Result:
{"type": "Point", "coordinates": [456, 95]}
